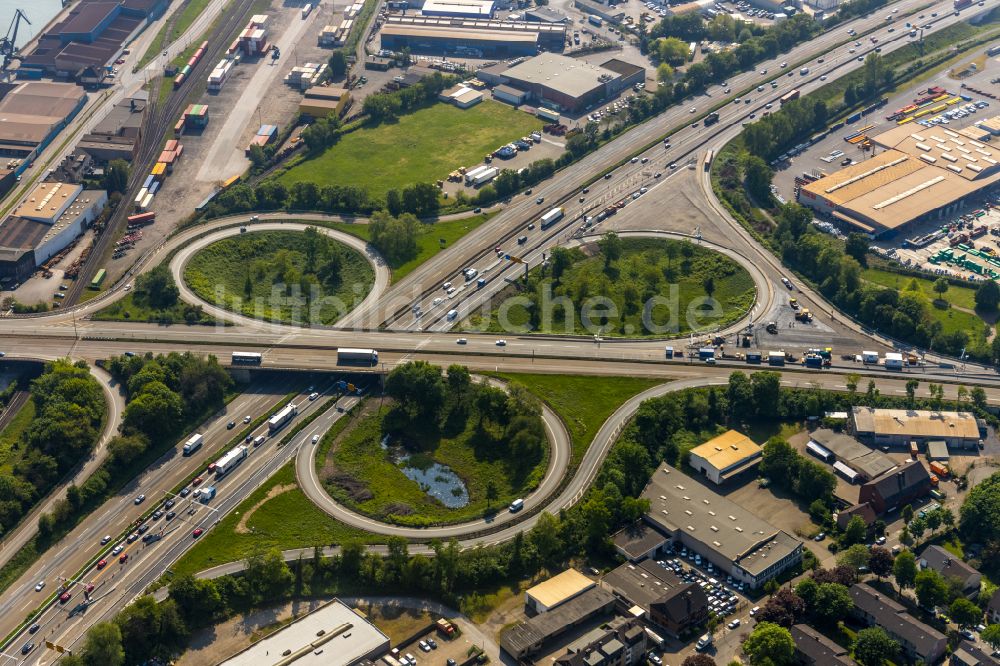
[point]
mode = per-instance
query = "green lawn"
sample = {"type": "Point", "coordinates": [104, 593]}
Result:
{"type": "Point", "coordinates": [963, 297]}
{"type": "Point", "coordinates": [361, 474]}
{"type": "Point", "coordinates": [664, 278]}
{"type": "Point", "coordinates": [129, 309]}
{"type": "Point", "coordinates": [583, 403]}
{"type": "Point", "coordinates": [270, 275]}
{"type": "Point", "coordinates": [268, 526]}
{"type": "Point", "coordinates": [424, 146]}
{"type": "Point", "coordinates": [11, 435]}
{"type": "Point", "coordinates": [951, 318]}
{"type": "Point", "coordinates": [428, 239]}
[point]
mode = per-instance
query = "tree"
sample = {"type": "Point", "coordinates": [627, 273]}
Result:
{"type": "Point", "coordinates": [758, 180]}
{"type": "Point", "coordinates": [157, 288]}
{"type": "Point", "coordinates": [965, 613]}
{"type": "Point", "coordinates": [856, 531]}
{"type": "Point", "coordinates": [156, 411]}
{"type": "Point", "coordinates": [880, 561]}
{"type": "Point", "coordinates": [979, 517]}
{"type": "Point", "coordinates": [116, 176]}
{"type": "Point", "coordinates": [991, 636]}
{"type": "Point", "coordinates": [904, 569]}
{"type": "Point", "coordinates": [988, 295]}
{"type": "Point", "coordinates": [337, 63]}
{"type": "Point", "coordinates": [395, 237]}
{"type": "Point", "coordinates": [103, 645]}
{"type": "Point", "coordinates": [940, 286]}
{"type": "Point", "coordinates": [857, 247]}
{"type": "Point", "coordinates": [664, 73]}
{"type": "Point", "coordinates": [911, 395]}
{"type": "Point", "coordinates": [786, 607]}
{"type": "Point", "coordinates": [769, 645]}
{"type": "Point", "coordinates": [779, 462]}
{"type": "Point", "coordinates": [855, 557]}
{"type": "Point", "coordinates": [491, 491]}
{"type": "Point", "coordinates": [832, 603]}
{"type": "Point", "coordinates": [561, 260]}
{"type": "Point", "coordinates": [611, 248]}
{"type": "Point", "coordinates": [419, 389]}
{"type": "Point", "coordinates": [698, 660]}
{"type": "Point", "coordinates": [931, 588]}
{"type": "Point", "coordinates": [907, 513]}
{"type": "Point", "coordinates": [873, 647]}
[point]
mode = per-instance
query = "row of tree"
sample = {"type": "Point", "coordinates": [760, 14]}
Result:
{"type": "Point", "coordinates": [69, 409]}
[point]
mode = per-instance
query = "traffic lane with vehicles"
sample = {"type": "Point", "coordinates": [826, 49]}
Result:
{"type": "Point", "coordinates": [149, 561]}
{"type": "Point", "coordinates": [570, 179]}
{"type": "Point", "coordinates": [382, 273]}
{"type": "Point", "coordinates": [81, 545]}
{"type": "Point", "coordinates": [640, 171]}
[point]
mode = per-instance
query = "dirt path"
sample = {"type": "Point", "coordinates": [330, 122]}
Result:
{"type": "Point", "coordinates": [241, 527]}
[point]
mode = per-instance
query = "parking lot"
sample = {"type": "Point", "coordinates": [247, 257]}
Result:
{"type": "Point", "coordinates": [435, 648]}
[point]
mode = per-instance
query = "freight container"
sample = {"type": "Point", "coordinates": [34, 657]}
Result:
{"type": "Point", "coordinates": [893, 361]}
{"type": "Point", "coordinates": [141, 219]}
{"type": "Point", "coordinates": [669, 352]}
{"type": "Point", "coordinates": [149, 181]}
{"type": "Point", "coordinates": [357, 356]}
{"type": "Point", "coordinates": [228, 462]}
{"type": "Point", "coordinates": [155, 187]}
{"type": "Point", "coordinates": [776, 358]}
{"type": "Point", "coordinates": [939, 469]}
{"type": "Point", "coordinates": [146, 203]}
{"type": "Point", "coordinates": [470, 176]}
{"type": "Point", "coordinates": [869, 357]}
{"type": "Point", "coordinates": [914, 450]}
{"type": "Point", "coordinates": [142, 195]}
{"type": "Point", "coordinates": [486, 176]}
{"type": "Point", "coordinates": [706, 352]}
{"type": "Point", "coordinates": [171, 145]}
{"type": "Point", "coordinates": [813, 361]}
{"type": "Point", "coordinates": [753, 357]}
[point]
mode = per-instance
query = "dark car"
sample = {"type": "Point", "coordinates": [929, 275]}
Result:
{"type": "Point", "coordinates": [34, 628]}
{"type": "Point", "coordinates": [27, 647]}
{"type": "Point", "coordinates": [230, 425]}
{"type": "Point", "coordinates": [168, 504]}
{"type": "Point", "coordinates": [185, 492]}
{"type": "Point", "coordinates": [171, 515]}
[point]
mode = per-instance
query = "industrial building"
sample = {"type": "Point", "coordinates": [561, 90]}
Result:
{"type": "Point", "coordinates": [736, 541]}
{"type": "Point", "coordinates": [48, 220]}
{"type": "Point", "coordinates": [723, 457]}
{"type": "Point", "coordinates": [119, 133]}
{"type": "Point", "coordinates": [90, 37]}
{"type": "Point", "coordinates": [322, 101]}
{"type": "Point", "coordinates": [564, 83]}
{"type": "Point", "coordinates": [461, 96]}
{"type": "Point", "coordinates": [470, 37]}
{"type": "Point", "coordinates": [556, 591]}
{"type": "Point", "coordinates": [917, 640]}
{"type": "Point", "coordinates": [899, 427]}
{"type": "Point", "coordinates": [458, 8]}
{"type": "Point", "coordinates": [32, 113]}
{"type": "Point", "coordinates": [545, 15]}
{"type": "Point", "coordinates": [856, 461]}
{"type": "Point", "coordinates": [920, 175]}
{"type": "Point", "coordinates": [527, 638]}
{"type": "Point", "coordinates": [332, 635]}
{"type": "Point", "coordinates": [649, 591]}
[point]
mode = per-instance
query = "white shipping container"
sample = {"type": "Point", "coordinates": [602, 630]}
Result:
{"type": "Point", "coordinates": [146, 202]}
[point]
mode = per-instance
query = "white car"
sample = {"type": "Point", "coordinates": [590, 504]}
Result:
{"type": "Point", "coordinates": [501, 343]}
{"type": "Point", "coordinates": [315, 439]}
{"type": "Point", "coordinates": [785, 281]}
{"type": "Point", "coordinates": [313, 396]}
{"type": "Point", "coordinates": [117, 549]}
{"type": "Point", "coordinates": [40, 586]}
{"type": "Point", "coordinates": [754, 610]}
{"type": "Point", "coordinates": [462, 341]}
{"type": "Point", "coordinates": [634, 160]}
{"type": "Point", "coordinates": [446, 286]}
{"type": "Point", "coordinates": [246, 419]}
{"type": "Point", "coordinates": [424, 646]}
{"type": "Point", "coordinates": [437, 301]}
{"type": "Point", "coordinates": [692, 110]}
{"type": "Point", "coordinates": [451, 290]}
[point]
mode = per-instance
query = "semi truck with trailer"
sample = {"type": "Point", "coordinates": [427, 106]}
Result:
{"type": "Point", "coordinates": [551, 217]}
{"type": "Point", "coordinates": [486, 176]}
{"type": "Point", "coordinates": [228, 462]}
{"type": "Point", "coordinates": [286, 414]}
{"type": "Point", "coordinates": [193, 443]}
{"type": "Point", "coordinates": [347, 356]}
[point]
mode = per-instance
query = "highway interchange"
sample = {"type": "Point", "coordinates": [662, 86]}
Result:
{"type": "Point", "coordinates": [385, 322]}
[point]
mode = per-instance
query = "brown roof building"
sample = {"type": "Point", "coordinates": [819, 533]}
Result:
{"type": "Point", "coordinates": [950, 566]}
{"type": "Point", "coordinates": [814, 649]}
{"type": "Point", "coordinates": [917, 640]}
{"type": "Point", "coordinates": [648, 590]}
{"type": "Point", "coordinates": [896, 488]}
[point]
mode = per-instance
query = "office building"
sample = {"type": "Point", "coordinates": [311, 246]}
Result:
{"type": "Point", "coordinates": [648, 591]}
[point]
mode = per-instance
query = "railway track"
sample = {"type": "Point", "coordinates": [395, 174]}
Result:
{"type": "Point", "coordinates": [158, 122]}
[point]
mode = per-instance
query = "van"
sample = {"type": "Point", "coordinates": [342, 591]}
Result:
{"type": "Point", "coordinates": [259, 440]}
{"type": "Point", "coordinates": [516, 505]}
{"type": "Point", "coordinates": [522, 240]}
{"type": "Point", "coordinates": [703, 642]}
{"type": "Point", "coordinates": [452, 314]}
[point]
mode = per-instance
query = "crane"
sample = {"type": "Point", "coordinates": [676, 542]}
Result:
{"type": "Point", "coordinates": [8, 44]}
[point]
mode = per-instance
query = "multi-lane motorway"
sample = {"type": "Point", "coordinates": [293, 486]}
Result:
{"type": "Point", "coordinates": [401, 339]}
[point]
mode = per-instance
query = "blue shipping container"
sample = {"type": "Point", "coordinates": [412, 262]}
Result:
{"type": "Point", "coordinates": [154, 188]}
{"type": "Point", "coordinates": [855, 118]}
{"type": "Point", "coordinates": [149, 181]}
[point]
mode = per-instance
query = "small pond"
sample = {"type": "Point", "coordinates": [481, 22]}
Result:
{"type": "Point", "coordinates": [434, 478]}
